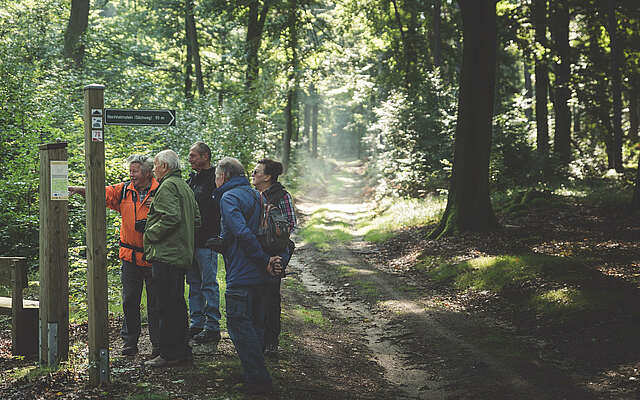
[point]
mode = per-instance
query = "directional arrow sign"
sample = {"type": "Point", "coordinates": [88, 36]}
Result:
{"type": "Point", "coordinates": [114, 116]}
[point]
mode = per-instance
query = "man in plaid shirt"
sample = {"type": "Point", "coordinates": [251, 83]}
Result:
{"type": "Point", "coordinates": [265, 180]}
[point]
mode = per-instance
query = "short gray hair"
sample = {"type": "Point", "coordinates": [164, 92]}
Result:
{"type": "Point", "coordinates": [230, 167]}
{"type": "Point", "coordinates": [169, 158]}
{"type": "Point", "coordinates": [146, 163]}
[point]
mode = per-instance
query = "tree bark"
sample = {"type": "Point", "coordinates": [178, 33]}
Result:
{"type": "Point", "coordinates": [188, 81]}
{"type": "Point", "coordinates": [634, 115]}
{"type": "Point", "coordinates": [437, 11]}
{"type": "Point", "coordinates": [560, 33]}
{"type": "Point", "coordinates": [192, 39]}
{"type": "Point", "coordinates": [468, 205]}
{"type": "Point", "coordinates": [291, 108]}
{"type": "Point", "coordinates": [76, 28]}
{"type": "Point", "coordinates": [528, 86]}
{"type": "Point", "coordinates": [314, 130]}
{"type": "Point", "coordinates": [539, 10]}
{"type": "Point", "coordinates": [307, 123]}
{"type": "Point", "coordinates": [255, 27]}
{"type": "Point", "coordinates": [616, 85]}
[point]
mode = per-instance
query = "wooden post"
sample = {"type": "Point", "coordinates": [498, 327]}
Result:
{"type": "Point", "coordinates": [96, 235]}
{"type": "Point", "coordinates": [54, 256]}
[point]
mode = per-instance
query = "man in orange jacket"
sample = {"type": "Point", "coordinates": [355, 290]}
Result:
{"type": "Point", "coordinates": [132, 200]}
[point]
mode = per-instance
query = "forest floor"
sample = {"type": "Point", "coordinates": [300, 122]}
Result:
{"type": "Point", "coordinates": [364, 320]}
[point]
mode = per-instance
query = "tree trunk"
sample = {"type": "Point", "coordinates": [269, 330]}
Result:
{"type": "Point", "coordinates": [635, 201]}
{"type": "Point", "coordinates": [192, 39]}
{"type": "Point", "coordinates": [292, 106]}
{"type": "Point", "coordinates": [616, 85]}
{"type": "Point", "coordinates": [560, 34]}
{"type": "Point", "coordinates": [307, 123]}
{"type": "Point", "coordinates": [634, 115]}
{"type": "Point", "coordinates": [188, 82]}
{"type": "Point", "coordinates": [528, 88]}
{"type": "Point", "coordinates": [76, 28]}
{"type": "Point", "coordinates": [469, 205]}
{"type": "Point", "coordinates": [314, 131]}
{"type": "Point", "coordinates": [437, 11]}
{"type": "Point", "coordinates": [255, 27]}
{"type": "Point", "coordinates": [539, 9]}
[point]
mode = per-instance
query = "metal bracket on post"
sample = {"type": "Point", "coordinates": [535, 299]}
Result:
{"type": "Point", "coordinates": [103, 364]}
{"type": "Point", "coordinates": [52, 330]}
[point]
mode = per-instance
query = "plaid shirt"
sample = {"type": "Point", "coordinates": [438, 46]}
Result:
{"type": "Point", "coordinates": [286, 206]}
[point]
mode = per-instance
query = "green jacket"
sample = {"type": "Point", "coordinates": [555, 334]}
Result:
{"type": "Point", "coordinates": [171, 223]}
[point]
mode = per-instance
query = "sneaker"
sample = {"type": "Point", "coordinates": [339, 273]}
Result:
{"type": "Point", "coordinates": [157, 362]}
{"type": "Point", "coordinates": [193, 331]}
{"type": "Point", "coordinates": [130, 351]}
{"type": "Point", "coordinates": [207, 336]}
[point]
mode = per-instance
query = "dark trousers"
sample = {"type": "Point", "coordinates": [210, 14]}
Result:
{"type": "Point", "coordinates": [245, 324]}
{"type": "Point", "coordinates": [272, 313]}
{"type": "Point", "coordinates": [172, 308]}
{"type": "Point", "coordinates": [133, 278]}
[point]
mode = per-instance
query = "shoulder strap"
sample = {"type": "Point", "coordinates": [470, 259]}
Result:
{"type": "Point", "coordinates": [123, 193]}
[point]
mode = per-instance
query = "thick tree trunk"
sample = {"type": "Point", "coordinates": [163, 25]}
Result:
{"type": "Point", "coordinates": [469, 206]}
{"type": "Point", "coordinates": [192, 40]}
{"type": "Point", "coordinates": [616, 85]}
{"type": "Point", "coordinates": [560, 34]}
{"type": "Point", "coordinates": [76, 28]}
{"type": "Point", "coordinates": [539, 9]}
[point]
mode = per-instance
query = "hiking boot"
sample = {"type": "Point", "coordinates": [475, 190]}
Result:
{"type": "Point", "coordinates": [193, 331]}
{"type": "Point", "coordinates": [129, 351]}
{"type": "Point", "coordinates": [155, 352]}
{"type": "Point", "coordinates": [207, 336]}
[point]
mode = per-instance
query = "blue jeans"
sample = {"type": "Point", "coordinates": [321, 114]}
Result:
{"type": "Point", "coordinates": [204, 295]}
{"type": "Point", "coordinates": [133, 278]}
{"type": "Point", "coordinates": [169, 281]}
{"type": "Point", "coordinates": [245, 323]}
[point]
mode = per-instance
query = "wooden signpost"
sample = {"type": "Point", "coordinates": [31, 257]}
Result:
{"type": "Point", "coordinates": [54, 255]}
{"type": "Point", "coordinates": [95, 118]}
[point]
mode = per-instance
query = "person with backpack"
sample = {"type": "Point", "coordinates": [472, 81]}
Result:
{"type": "Point", "coordinates": [204, 295]}
{"type": "Point", "coordinates": [265, 180]}
{"type": "Point", "coordinates": [247, 270]}
{"type": "Point", "coordinates": [132, 200]}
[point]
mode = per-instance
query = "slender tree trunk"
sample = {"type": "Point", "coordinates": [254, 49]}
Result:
{"type": "Point", "coordinates": [560, 34]}
{"type": "Point", "coordinates": [616, 85]}
{"type": "Point", "coordinates": [542, 79]}
{"type": "Point", "coordinates": [634, 115]}
{"type": "Point", "coordinates": [635, 201]}
{"type": "Point", "coordinates": [192, 39]}
{"type": "Point", "coordinates": [314, 130]}
{"type": "Point", "coordinates": [307, 123]}
{"type": "Point", "coordinates": [188, 81]}
{"type": "Point", "coordinates": [468, 204]}
{"type": "Point", "coordinates": [255, 26]}
{"type": "Point", "coordinates": [76, 28]}
{"type": "Point", "coordinates": [291, 107]}
{"type": "Point", "coordinates": [528, 86]}
{"type": "Point", "coordinates": [437, 11]}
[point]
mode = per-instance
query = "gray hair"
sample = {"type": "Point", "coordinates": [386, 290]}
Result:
{"type": "Point", "coordinates": [230, 167]}
{"type": "Point", "coordinates": [146, 163]}
{"type": "Point", "coordinates": [169, 158]}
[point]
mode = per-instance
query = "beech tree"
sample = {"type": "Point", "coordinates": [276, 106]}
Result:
{"type": "Point", "coordinates": [76, 28]}
{"type": "Point", "coordinates": [468, 203]}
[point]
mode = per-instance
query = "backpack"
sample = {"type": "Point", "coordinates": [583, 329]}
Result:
{"type": "Point", "coordinates": [273, 228]}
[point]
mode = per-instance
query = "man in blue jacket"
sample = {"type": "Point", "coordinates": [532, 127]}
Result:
{"type": "Point", "coordinates": [247, 268]}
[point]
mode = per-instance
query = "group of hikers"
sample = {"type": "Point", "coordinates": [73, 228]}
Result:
{"type": "Point", "coordinates": [172, 229]}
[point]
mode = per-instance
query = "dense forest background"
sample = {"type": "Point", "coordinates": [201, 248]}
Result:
{"type": "Point", "coordinates": [378, 80]}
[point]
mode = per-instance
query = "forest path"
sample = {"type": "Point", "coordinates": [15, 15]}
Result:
{"type": "Point", "coordinates": [426, 350]}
